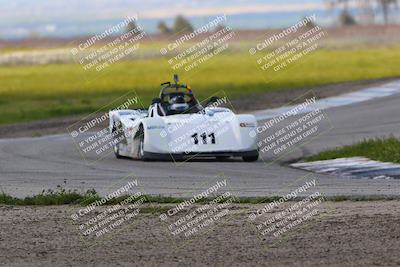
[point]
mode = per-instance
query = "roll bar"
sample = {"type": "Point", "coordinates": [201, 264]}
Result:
{"type": "Point", "coordinates": [176, 86]}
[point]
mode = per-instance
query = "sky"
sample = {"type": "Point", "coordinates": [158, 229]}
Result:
{"type": "Point", "coordinates": [19, 18]}
{"type": "Point", "coordinates": [24, 10]}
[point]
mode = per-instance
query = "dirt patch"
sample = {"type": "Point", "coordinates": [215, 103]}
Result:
{"type": "Point", "coordinates": [341, 234]}
{"type": "Point", "coordinates": [250, 103]}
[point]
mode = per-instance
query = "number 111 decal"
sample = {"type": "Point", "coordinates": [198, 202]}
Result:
{"type": "Point", "coordinates": [204, 138]}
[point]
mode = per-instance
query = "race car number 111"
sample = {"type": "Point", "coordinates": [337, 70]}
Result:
{"type": "Point", "coordinates": [203, 136]}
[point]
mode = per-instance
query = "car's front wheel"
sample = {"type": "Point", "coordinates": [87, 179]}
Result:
{"type": "Point", "coordinates": [251, 158]}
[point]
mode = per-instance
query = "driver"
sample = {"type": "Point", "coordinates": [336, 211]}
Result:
{"type": "Point", "coordinates": [177, 104]}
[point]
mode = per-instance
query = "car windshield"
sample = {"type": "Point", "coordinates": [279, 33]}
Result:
{"type": "Point", "coordinates": [180, 103]}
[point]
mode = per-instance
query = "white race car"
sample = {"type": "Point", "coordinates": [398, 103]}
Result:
{"type": "Point", "coordinates": [176, 126]}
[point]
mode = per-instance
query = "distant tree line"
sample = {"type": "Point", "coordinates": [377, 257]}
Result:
{"type": "Point", "coordinates": [181, 24]}
{"type": "Point", "coordinates": [367, 10]}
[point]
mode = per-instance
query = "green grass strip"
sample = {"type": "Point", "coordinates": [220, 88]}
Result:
{"type": "Point", "coordinates": [380, 149]}
{"type": "Point", "coordinates": [64, 197]}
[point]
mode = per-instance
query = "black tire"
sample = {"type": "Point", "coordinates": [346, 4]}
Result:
{"type": "Point", "coordinates": [116, 151]}
{"type": "Point", "coordinates": [116, 146]}
{"type": "Point", "coordinates": [140, 154]}
{"type": "Point", "coordinates": [250, 158]}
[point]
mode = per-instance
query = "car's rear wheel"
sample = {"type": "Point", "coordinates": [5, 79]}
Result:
{"type": "Point", "coordinates": [141, 144]}
{"type": "Point", "coordinates": [116, 151]}
{"type": "Point", "coordinates": [116, 144]}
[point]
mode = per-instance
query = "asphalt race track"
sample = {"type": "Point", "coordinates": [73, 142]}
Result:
{"type": "Point", "coordinates": [29, 165]}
